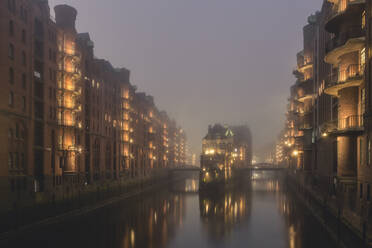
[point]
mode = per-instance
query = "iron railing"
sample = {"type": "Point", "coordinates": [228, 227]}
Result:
{"type": "Point", "coordinates": [353, 71]}
{"type": "Point", "coordinates": [351, 122]}
{"type": "Point", "coordinates": [305, 126]}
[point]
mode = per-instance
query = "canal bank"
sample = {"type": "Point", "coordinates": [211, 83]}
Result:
{"type": "Point", "coordinates": [90, 198]}
{"type": "Point", "coordinates": [330, 216]}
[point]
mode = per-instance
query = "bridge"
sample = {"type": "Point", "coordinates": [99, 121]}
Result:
{"type": "Point", "coordinates": [265, 166]}
{"type": "Point", "coordinates": [186, 168]}
{"type": "Point", "coordinates": [256, 167]}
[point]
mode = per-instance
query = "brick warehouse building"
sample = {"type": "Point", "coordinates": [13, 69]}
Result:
{"type": "Point", "coordinates": [71, 123]}
{"type": "Point", "coordinates": [329, 152]}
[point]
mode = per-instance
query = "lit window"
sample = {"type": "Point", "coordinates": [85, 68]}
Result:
{"type": "Point", "coordinates": [126, 94]}
{"type": "Point", "coordinates": [363, 19]}
{"type": "Point", "coordinates": [342, 5]}
{"type": "Point", "coordinates": [362, 59]}
{"type": "Point", "coordinates": [363, 100]}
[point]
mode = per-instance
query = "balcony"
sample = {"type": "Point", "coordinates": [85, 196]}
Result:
{"type": "Point", "coordinates": [125, 106]}
{"type": "Point", "coordinates": [344, 36]}
{"type": "Point", "coordinates": [292, 114]}
{"type": "Point", "coordinates": [351, 77]}
{"type": "Point", "coordinates": [73, 89]}
{"type": "Point", "coordinates": [305, 90]}
{"type": "Point", "coordinates": [71, 54]}
{"type": "Point", "coordinates": [350, 40]}
{"type": "Point", "coordinates": [307, 65]}
{"type": "Point", "coordinates": [305, 126]}
{"type": "Point", "coordinates": [299, 138]}
{"type": "Point", "coordinates": [67, 122]}
{"type": "Point", "coordinates": [354, 123]}
{"type": "Point", "coordinates": [343, 10]}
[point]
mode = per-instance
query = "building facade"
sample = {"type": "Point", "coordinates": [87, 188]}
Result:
{"type": "Point", "coordinates": [326, 140]}
{"type": "Point", "coordinates": [71, 122]}
{"type": "Point", "coordinates": [226, 147]}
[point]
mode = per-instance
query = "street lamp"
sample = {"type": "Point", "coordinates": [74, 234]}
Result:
{"type": "Point", "coordinates": [295, 153]}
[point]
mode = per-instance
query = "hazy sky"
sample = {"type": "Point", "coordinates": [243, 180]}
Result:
{"type": "Point", "coordinates": [204, 61]}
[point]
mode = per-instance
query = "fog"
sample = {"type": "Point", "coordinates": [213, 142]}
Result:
{"type": "Point", "coordinates": [204, 61]}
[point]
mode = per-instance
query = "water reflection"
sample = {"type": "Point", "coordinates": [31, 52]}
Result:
{"type": "Point", "coordinates": [221, 211]}
{"type": "Point", "coordinates": [189, 184]}
{"type": "Point", "coordinates": [255, 212]}
{"type": "Point", "coordinates": [154, 224]}
{"type": "Point", "coordinates": [302, 229]}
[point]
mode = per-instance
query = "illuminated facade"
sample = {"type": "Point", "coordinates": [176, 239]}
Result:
{"type": "Point", "coordinates": [226, 147]}
{"type": "Point", "coordinates": [69, 93]}
{"type": "Point", "coordinates": [71, 122]}
{"type": "Point", "coordinates": [327, 135]}
{"type": "Point", "coordinates": [177, 145]}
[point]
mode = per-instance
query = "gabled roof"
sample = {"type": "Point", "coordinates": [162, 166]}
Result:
{"type": "Point", "coordinates": [218, 132]}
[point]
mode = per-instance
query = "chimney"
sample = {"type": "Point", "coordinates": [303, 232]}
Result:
{"type": "Point", "coordinates": [65, 16]}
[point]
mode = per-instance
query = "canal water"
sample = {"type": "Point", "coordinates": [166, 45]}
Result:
{"type": "Point", "coordinates": [257, 212]}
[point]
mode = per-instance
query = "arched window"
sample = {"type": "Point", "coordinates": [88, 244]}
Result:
{"type": "Point", "coordinates": [11, 99]}
{"type": "Point", "coordinates": [369, 151]}
{"type": "Point", "coordinates": [23, 58]}
{"type": "Point", "coordinates": [11, 51]}
{"type": "Point", "coordinates": [17, 131]}
{"type": "Point", "coordinates": [17, 160]}
{"type": "Point", "coordinates": [23, 161]}
{"type": "Point", "coordinates": [24, 80]}
{"type": "Point", "coordinates": [11, 75]}
{"type": "Point", "coordinates": [24, 36]}
{"type": "Point", "coordinates": [11, 28]}
{"type": "Point", "coordinates": [10, 160]}
{"type": "Point", "coordinates": [14, 6]}
{"type": "Point", "coordinates": [108, 158]}
{"type": "Point", "coordinates": [10, 133]}
{"type": "Point", "coordinates": [96, 159]}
